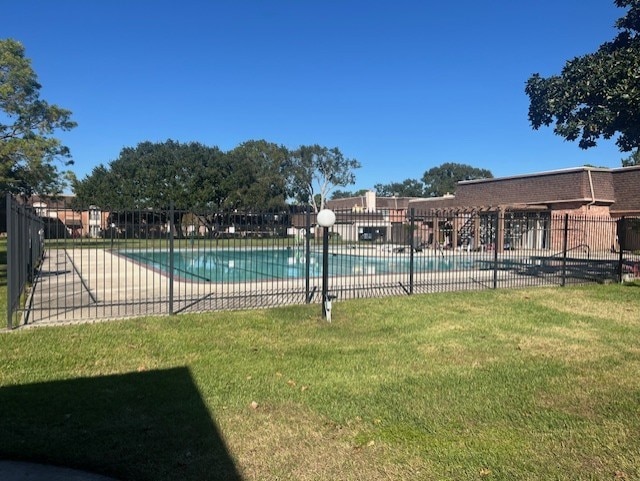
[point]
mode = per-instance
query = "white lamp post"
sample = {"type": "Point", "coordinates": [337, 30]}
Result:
{"type": "Point", "coordinates": [113, 226]}
{"type": "Point", "coordinates": [326, 218]}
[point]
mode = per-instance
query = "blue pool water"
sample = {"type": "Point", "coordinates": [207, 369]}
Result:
{"type": "Point", "coordinates": [256, 265]}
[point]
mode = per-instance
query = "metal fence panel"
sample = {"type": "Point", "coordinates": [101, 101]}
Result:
{"type": "Point", "coordinates": [104, 263]}
{"type": "Point", "coordinates": [25, 247]}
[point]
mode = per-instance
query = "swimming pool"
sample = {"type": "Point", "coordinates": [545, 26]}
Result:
{"type": "Point", "coordinates": [221, 265]}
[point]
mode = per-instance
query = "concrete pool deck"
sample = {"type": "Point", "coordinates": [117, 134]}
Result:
{"type": "Point", "coordinates": [85, 285]}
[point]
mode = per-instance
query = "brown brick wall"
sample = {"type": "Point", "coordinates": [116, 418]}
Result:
{"type": "Point", "coordinates": [534, 189]}
{"type": "Point", "coordinates": [587, 232]}
{"type": "Point", "coordinates": [347, 204]}
{"type": "Point", "coordinates": [626, 183]}
{"type": "Point", "coordinates": [603, 185]}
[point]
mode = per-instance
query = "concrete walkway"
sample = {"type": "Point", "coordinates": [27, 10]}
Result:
{"type": "Point", "coordinates": [21, 471]}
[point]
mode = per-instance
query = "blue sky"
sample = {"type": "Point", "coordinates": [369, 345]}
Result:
{"type": "Point", "coordinates": [400, 85]}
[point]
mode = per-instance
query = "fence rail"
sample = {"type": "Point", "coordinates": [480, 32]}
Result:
{"type": "Point", "coordinates": [100, 264]}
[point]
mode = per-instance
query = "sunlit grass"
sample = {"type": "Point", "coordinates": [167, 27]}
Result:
{"type": "Point", "coordinates": [528, 384]}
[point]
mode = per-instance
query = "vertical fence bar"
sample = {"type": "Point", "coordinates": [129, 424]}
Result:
{"type": "Point", "coordinates": [411, 248]}
{"type": "Point", "coordinates": [565, 243]}
{"type": "Point", "coordinates": [307, 254]}
{"type": "Point", "coordinates": [171, 248]}
{"type": "Point", "coordinates": [622, 234]}
{"type": "Point", "coordinates": [496, 228]}
{"type": "Point", "coordinates": [10, 260]}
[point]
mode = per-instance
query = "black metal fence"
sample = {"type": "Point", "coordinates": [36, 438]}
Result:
{"type": "Point", "coordinates": [101, 263]}
{"type": "Point", "coordinates": [25, 249]}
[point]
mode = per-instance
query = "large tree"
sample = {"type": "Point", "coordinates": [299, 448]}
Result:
{"type": "Point", "coordinates": [442, 180]}
{"type": "Point", "coordinates": [316, 170]}
{"type": "Point", "coordinates": [258, 178]}
{"type": "Point", "coordinates": [28, 152]}
{"type": "Point", "coordinates": [191, 175]}
{"type": "Point", "coordinates": [596, 95]}
{"type": "Point", "coordinates": [406, 188]}
{"type": "Point", "coordinates": [153, 175]}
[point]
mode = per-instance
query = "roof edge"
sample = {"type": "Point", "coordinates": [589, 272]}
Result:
{"type": "Point", "coordinates": [584, 168]}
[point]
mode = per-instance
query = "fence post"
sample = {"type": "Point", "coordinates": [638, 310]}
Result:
{"type": "Point", "coordinates": [495, 250]}
{"type": "Point", "coordinates": [411, 248]}
{"type": "Point", "coordinates": [622, 238]}
{"type": "Point", "coordinates": [171, 248]}
{"type": "Point", "coordinates": [565, 243]}
{"type": "Point", "coordinates": [307, 247]}
{"type": "Point", "coordinates": [10, 263]}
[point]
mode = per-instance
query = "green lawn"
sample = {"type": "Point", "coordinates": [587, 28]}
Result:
{"type": "Point", "coordinates": [526, 384]}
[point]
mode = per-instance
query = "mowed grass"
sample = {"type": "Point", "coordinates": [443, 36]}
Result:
{"type": "Point", "coordinates": [501, 385]}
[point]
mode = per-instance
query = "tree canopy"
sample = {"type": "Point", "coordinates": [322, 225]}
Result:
{"type": "Point", "coordinates": [406, 188]}
{"type": "Point", "coordinates": [633, 159]}
{"type": "Point", "coordinates": [255, 174]}
{"type": "Point", "coordinates": [258, 178]}
{"type": "Point", "coordinates": [28, 152]}
{"type": "Point", "coordinates": [596, 95]}
{"type": "Point", "coordinates": [441, 180]}
{"type": "Point", "coordinates": [154, 174]}
{"type": "Point", "coordinates": [343, 194]}
{"type": "Point", "coordinates": [314, 169]}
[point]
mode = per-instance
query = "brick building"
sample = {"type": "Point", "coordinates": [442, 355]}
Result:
{"type": "Point", "coordinates": [528, 207]}
{"type": "Point", "coordinates": [61, 220]}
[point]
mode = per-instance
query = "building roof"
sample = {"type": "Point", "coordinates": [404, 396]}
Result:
{"type": "Point", "coordinates": [618, 189]}
{"type": "Point", "coordinates": [57, 202]}
{"type": "Point", "coordinates": [347, 203]}
{"type": "Point", "coordinates": [584, 184]}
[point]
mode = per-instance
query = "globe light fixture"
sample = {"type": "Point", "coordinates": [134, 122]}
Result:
{"type": "Point", "coordinates": [326, 218]}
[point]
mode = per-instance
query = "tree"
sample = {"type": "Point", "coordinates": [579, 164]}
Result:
{"type": "Point", "coordinates": [596, 95]}
{"type": "Point", "coordinates": [441, 180]}
{"type": "Point", "coordinates": [192, 175]}
{"type": "Point", "coordinates": [344, 194]}
{"type": "Point", "coordinates": [317, 170]}
{"type": "Point", "coordinates": [27, 149]}
{"type": "Point", "coordinates": [153, 175]}
{"type": "Point", "coordinates": [633, 159]}
{"type": "Point", "coordinates": [406, 188]}
{"type": "Point", "coordinates": [258, 178]}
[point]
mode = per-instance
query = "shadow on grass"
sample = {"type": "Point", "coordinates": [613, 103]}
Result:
{"type": "Point", "coordinates": [140, 426]}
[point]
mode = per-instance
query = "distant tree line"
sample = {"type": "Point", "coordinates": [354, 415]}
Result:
{"type": "Point", "coordinates": [435, 182]}
{"type": "Point", "coordinates": [255, 174]}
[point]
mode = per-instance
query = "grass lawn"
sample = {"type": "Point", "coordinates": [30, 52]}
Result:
{"type": "Point", "coordinates": [499, 385]}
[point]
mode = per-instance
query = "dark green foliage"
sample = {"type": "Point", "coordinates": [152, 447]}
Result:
{"type": "Point", "coordinates": [154, 174]}
{"type": "Point", "coordinates": [258, 176]}
{"type": "Point", "coordinates": [314, 169]}
{"type": "Point", "coordinates": [633, 159]}
{"type": "Point", "coordinates": [255, 174]}
{"type": "Point", "coordinates": [406, 188]}
{"type": "Point", "coordinates": [596, 95]}
{"type": "Point", "coordinates": [27, 150]}
{"type": "Point", "coordinates": [441, 180]}
{"type": "Point", "coordinates": [343, 194]}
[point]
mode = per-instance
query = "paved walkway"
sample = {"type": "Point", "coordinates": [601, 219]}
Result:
{"type": "Point", "coordinates": [21, 471]}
